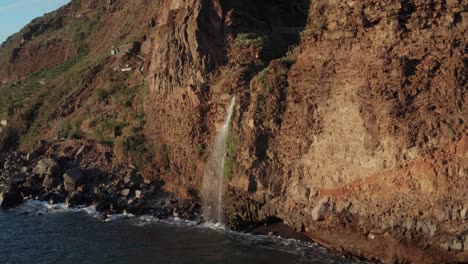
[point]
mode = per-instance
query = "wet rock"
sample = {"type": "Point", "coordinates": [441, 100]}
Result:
{"type": "Point", "coordinates": [104, 204]}
{"type": "Point", "coordinates": [10, 199]}
{"type": "Point", "coordinates": [102, 217]}
{"type": "Point", "coordinates": [74, 199]}
{"type": "Point", "coordinates": [320, 209]}
{"type": "Point", "coordinates": [47, 166]}
{"type": "Point", "coordinates": [72, 178]}
{"type": "Point", "coordinates": [57, 197]}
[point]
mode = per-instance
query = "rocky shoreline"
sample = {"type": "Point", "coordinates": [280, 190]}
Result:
{"type": "Point", "coordinates": [83, 173]}
{"type": "Point", "coordinates": [57, 178]}
{"type": "Point", "coordinates": [62, 179]}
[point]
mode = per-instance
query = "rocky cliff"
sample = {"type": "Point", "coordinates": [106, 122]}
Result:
{"type": "Point", "coordinates": [350, 124]}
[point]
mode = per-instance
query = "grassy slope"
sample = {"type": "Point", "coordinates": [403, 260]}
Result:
{"type": "Point", "coordinates": [43, 105]}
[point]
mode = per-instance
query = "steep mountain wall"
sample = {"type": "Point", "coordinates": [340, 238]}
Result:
{"type": "Point", "coordinates": [369, 132]}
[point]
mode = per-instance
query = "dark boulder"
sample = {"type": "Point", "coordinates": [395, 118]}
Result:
{"type": "Point", "coordinates": [86, 188]}
{"type": "Point", "coordinates": [49, 182]}
{"type": "Point", "coordinates": [57, 197]}
{"type": "Point", "coordinates": [72, 179]}
{"type": "Point", "coordinates": [75, 199]}
{"type": "Point", "coordinates": [10, 199]}
{"type": "Point", "coordinates": [104, 204]}
{"type": "Point", "coordinates": [18, 178]}
{"type": "Point", "coordinates": [133, 179]}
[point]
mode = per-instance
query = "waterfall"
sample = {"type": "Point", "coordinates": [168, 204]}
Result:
{"type": "Point", "coordinates": [213, 178]}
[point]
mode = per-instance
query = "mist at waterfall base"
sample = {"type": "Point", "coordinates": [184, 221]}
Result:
{"type": "Point", "coordinates": [74, 236]}
{"type": "Point", "coordinates": [213, 178]}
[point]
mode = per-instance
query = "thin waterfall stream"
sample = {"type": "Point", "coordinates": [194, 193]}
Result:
{"type": "Point", "coordinates": [213, 178]}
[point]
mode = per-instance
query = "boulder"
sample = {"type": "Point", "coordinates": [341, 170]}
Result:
{"type": "Point", "coordinates": [47, 166]}
{"type": "Point", "coordinates": [320, 209]}
{"type": "Point", "coordinates": [125, 192]}
{"type": "Point", "coordinates": [104, 204]}
{"type": "Point", "coordinates": [74, 199]}
{"type": "Point", "coordinates": [72, 179]}
{"type": "Point", "coordinates": [18, 178]}
{"type": "Point", "coordinates": [49, 182]}
{"type": "Point", "coordinates": [133, 179]}
{"type": "Point", "coordinates": [10, 199]}
{"type": "Point", "coordinates": [57, 197]}
{"type": "Point", "coordinates": [86, 188]}
{"type": "Point", "coordinates": [138, 194]}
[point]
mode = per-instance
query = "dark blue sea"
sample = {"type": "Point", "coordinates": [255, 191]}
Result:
{"type": "Point", "coordinates": [40, 233]}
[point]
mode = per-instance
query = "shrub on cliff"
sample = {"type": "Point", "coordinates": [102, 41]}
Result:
{"type": "Point", "coordinates": [249, 39]}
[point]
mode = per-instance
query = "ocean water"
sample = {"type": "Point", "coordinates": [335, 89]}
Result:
{"type": "Point", "coordinates": [40, 233]}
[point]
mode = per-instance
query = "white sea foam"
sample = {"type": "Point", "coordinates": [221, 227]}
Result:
{"type": "Point", "coordinates": [212, 225]}
{"type": "Point", "coordinates": [43, 207]}
{"type": "Point", "coordinates": [115, 217]}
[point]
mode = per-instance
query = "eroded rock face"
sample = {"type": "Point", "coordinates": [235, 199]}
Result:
{"type": "Point", "coordinates": [193, 44]}
{"type": "Point", "coordinates": [373, 114]}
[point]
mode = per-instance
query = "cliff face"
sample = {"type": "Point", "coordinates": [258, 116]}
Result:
{"type": "Point", "coordinates": [356, 127]}
{"type": "Point", "coordinates": [371, 125]}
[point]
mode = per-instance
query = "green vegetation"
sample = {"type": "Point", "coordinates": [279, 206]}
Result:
{"type": "Point", "coordinates": [273, 77]}
{"type": "Point", "coordinates": [76, 5]}
{"type": "Point", "coordinates": [67, 130]}
{"type": "Point", "coordinates": [80, 29]}
{"type": "Point", "coordinates": [81, 98]}
{"type": "Point", "coordinates": [249, 39]}
{"type": "Point", "coordinates": [201, 149]}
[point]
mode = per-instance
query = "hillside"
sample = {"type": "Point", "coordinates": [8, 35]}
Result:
{"type": "Point", "coordinates": [350, 118]}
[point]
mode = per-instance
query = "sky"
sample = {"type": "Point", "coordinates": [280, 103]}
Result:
{"type": "Point", "coordinates": [15, 14]}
